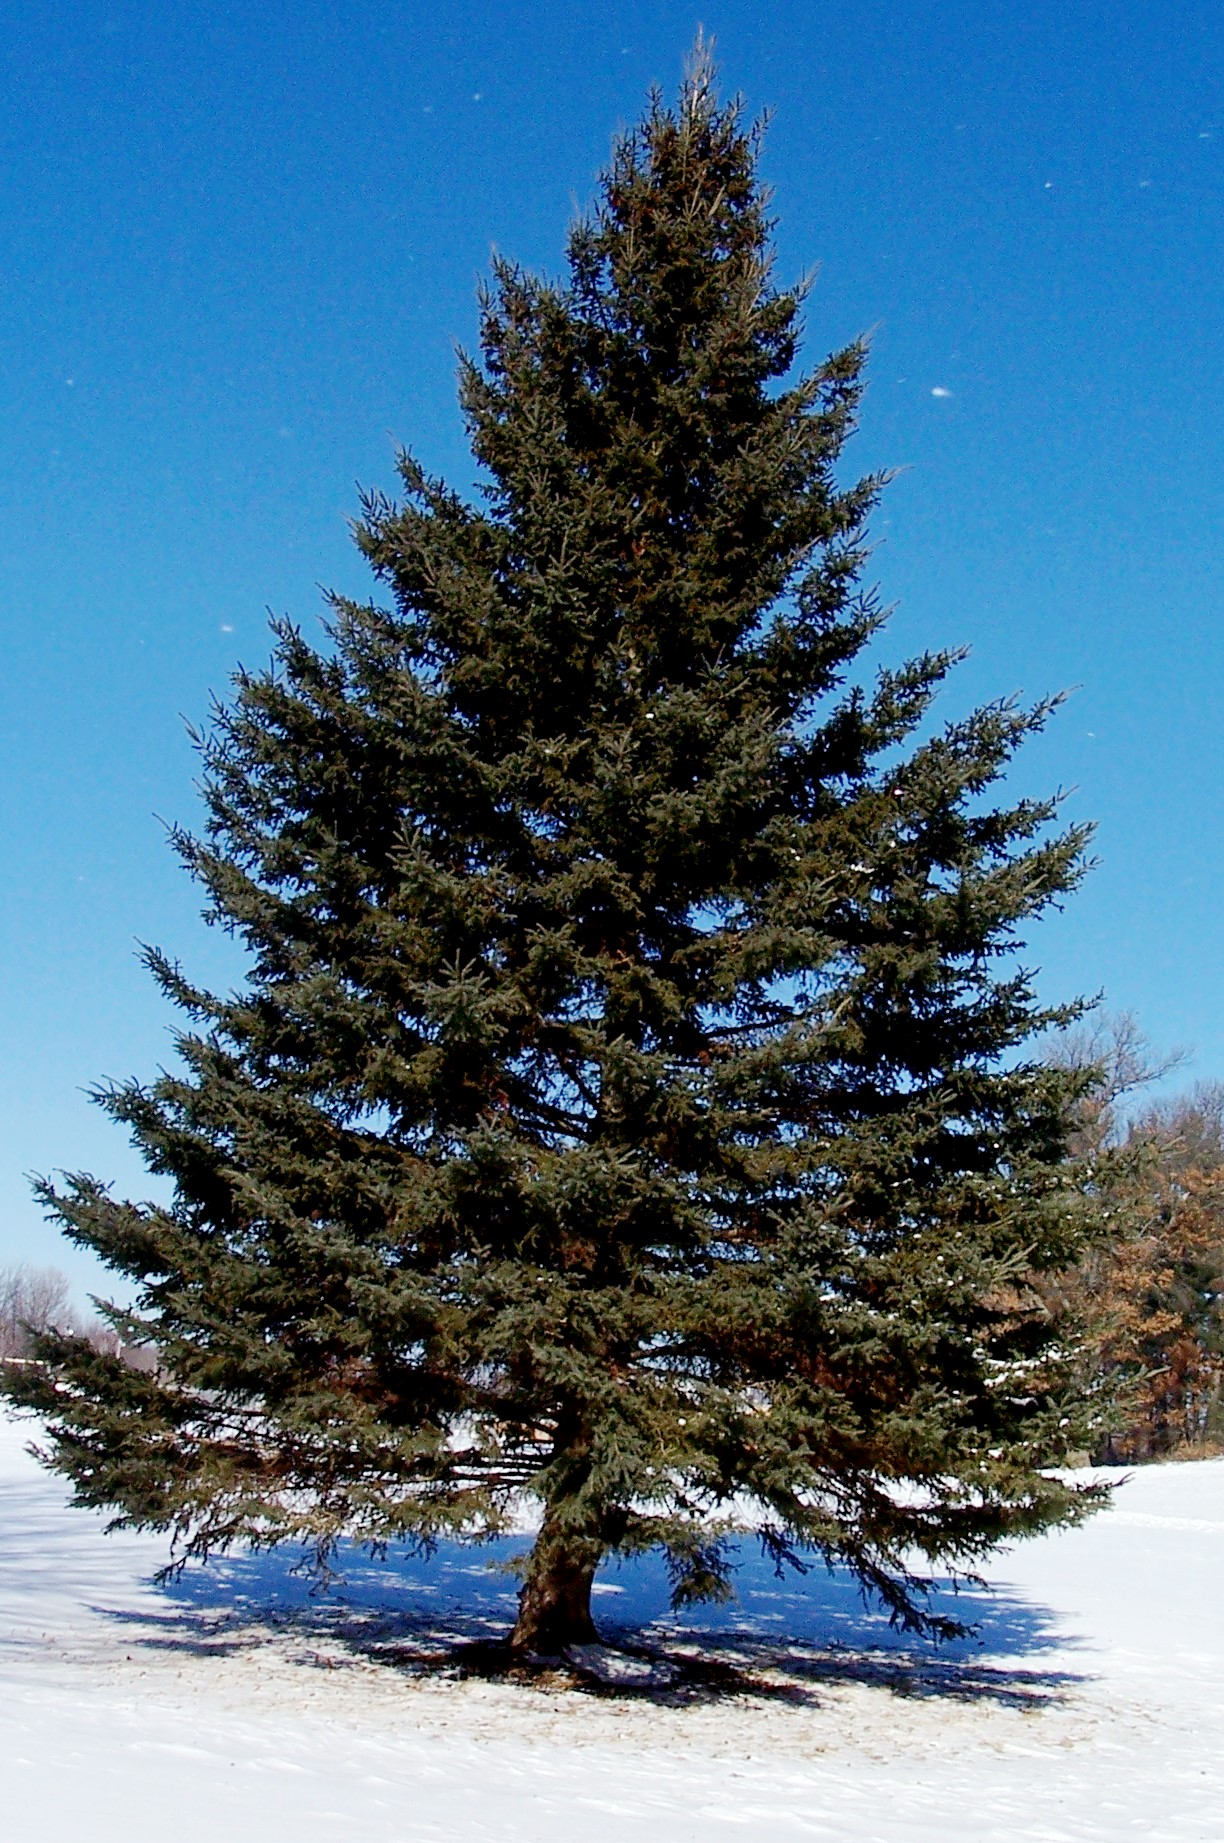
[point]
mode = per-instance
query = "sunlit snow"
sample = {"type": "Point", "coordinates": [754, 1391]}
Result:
{"type": "Point", "coordinates": [1089, 1705]}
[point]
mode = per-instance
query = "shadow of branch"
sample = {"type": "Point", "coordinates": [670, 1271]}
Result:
{"type": "Point", "coordinates": [448, 1617]}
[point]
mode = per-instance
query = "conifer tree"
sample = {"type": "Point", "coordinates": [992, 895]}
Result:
{"type": "Point", "coordinates": [632, 1103]}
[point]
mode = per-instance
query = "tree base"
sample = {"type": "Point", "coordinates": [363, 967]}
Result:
{"type": "Point", "coordinates": [555, 1602]}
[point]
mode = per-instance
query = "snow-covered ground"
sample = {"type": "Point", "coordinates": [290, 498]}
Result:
{"type": "Point", "coordinates": [233, 1708]}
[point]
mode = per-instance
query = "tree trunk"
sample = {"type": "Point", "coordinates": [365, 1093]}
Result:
{"type": "Point", "coordinates": [555, 1601]}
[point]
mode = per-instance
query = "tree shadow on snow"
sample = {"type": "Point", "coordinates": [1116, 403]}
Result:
{"type": "Point", "coordinates": [448, 1615]}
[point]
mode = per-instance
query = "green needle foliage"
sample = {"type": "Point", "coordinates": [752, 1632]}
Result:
{"type": "Point", "coordinates": [632, 1102]}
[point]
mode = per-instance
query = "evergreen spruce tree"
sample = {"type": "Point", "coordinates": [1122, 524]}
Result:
{"type": "Point", "coordinates": [632, 1104]}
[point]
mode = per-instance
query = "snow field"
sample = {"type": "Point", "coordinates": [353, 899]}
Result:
{"type": "Point", "coordinates": [233, 1707]}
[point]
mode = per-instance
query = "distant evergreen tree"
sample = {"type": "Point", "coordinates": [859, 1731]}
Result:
{"type": "Point", "coordinates": [630, 1103]}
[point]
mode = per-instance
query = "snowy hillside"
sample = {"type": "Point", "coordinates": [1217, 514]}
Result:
{"type": "Point", "coordinates": [1090, 1704]}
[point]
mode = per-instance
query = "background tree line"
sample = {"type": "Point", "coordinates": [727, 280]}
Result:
{"type": "Point", "coordinates": [35, 1300]}
{"type": "Point", "coordinates": [1152, 1291]}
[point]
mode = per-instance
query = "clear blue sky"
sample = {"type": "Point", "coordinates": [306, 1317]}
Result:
{"type": "Point", "coordinates": [239, 243]}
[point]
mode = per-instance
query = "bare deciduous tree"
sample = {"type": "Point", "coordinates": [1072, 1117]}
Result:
{"type": "Point", "coordinates": [1117, 1047]}
{"type": "Point", "coordinates": [32, 1299]}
